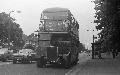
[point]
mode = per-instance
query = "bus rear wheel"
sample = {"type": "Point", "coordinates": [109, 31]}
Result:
{"type": "Point", "coordinates": [67, 63]}
{"type": "Point", "coordinates": [41, 62]}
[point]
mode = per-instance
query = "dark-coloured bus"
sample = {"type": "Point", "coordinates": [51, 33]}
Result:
{"type": "Point", "coordinates": [58, 38]}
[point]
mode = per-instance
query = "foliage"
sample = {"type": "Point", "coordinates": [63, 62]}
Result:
{"type": "Point", "coordinates": [107, 18]}
{"type": "Point", "coordinates": [8, 26]}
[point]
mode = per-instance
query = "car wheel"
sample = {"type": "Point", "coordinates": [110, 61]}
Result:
{"type": "Point", "coordinates": [3, 59]}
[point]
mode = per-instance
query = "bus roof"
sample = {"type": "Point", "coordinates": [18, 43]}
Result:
{"type": "Point", "coordinates": [55, 13]}
{"type": "Point", "coordinates": [55, 9]}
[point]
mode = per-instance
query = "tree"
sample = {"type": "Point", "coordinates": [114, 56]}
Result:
{"type": "Point", "coordinates": [32, 39]}
{"type": "Point", "coordinates": [15, 32]}
{"type": "Point", "coordinates": [107, 18]}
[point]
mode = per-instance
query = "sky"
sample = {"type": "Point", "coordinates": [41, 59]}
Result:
{"type": "Point", "coordinates": [29, 18]}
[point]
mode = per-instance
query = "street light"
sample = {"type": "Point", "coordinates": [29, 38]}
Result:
{"type": "Point", "coordinates": [93, 48]}
{"type": "Point", "coordinates": [93, 45]}
{"type": "Point", "coordinates": [9, 28]}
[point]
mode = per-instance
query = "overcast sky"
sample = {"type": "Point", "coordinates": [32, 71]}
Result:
{"type": "Point", "coordinates": [29, 18]}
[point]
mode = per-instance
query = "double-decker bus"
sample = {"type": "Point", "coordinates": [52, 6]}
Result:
{"type": "Point", "coordinates": [58, 38]}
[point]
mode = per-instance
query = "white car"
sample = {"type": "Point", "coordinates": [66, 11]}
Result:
{"type": "Point", "coordinates": [23, 56]}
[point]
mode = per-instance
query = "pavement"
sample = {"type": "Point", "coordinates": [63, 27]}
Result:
{"type": "Point", "coordinates": [105, 66]}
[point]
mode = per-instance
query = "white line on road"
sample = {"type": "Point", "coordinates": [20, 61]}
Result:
{"type": "Point", "coordinates": [68, 72]}
{"type": "Point", "coordinates": [83, 57]}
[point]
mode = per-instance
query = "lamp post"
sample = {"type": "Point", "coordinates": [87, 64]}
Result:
{"type": "Point", "coordinates": [93, 48]}
{"type": "Point", "coordinates": [93, 38]}
{"type": "Point", "coordinates": [9, 28]}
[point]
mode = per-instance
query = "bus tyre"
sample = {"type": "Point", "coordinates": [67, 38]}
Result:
{"type": "Point", "coordinates": [41, 62]}
{"type": "Point", "coordinates": [67, 63]}
{"type": "Point", "coordinates": [76, 60]}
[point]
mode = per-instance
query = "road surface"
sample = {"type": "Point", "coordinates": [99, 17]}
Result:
{"type": "Point", "coordinates": [8, 68]}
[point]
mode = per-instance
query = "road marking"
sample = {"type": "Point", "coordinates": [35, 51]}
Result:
{"type": "Point", "coordinates": [4, 63]}
{"type": "Point", "coordinates": [82, 59]}
{"type": "Point", "coordinates": [68, 72]}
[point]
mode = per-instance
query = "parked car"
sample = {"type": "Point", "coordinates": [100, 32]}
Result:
{"type": "Point", "coordinates": [5, 54]}
{"type": "Point", "coordinates": [24, 56]}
